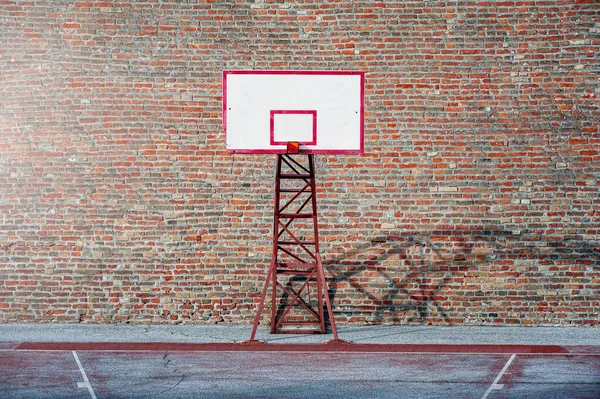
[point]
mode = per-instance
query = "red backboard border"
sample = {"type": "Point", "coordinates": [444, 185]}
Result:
{"type": "Point", "coordinates": [298, 72]}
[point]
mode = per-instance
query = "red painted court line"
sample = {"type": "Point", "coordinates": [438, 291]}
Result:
{"type": "Point", "coordinates": [8, 345]}
{"type": "Point", "coordinates": [327, 347]}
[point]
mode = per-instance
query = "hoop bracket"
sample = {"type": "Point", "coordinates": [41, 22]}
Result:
{"type": "Point", "coordinates": [293, 147]}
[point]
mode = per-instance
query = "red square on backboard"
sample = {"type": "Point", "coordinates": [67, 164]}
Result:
{"type": "Point", "coordinates": [312, 140]}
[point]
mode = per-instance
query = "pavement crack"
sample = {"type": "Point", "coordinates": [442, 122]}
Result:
{"type": "Point", "coordinates": [167, 360]}
{"type": "Point", "coordinates": [182, 377]}
{"type": "Point", "coordinates": [175, 371]}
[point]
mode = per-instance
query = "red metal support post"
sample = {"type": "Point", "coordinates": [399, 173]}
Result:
{"type": "Point", "coordinates": [296, 263]}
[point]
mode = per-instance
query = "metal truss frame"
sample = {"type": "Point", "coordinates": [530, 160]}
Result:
{"type": "Point", "coordinates": [294, 255]}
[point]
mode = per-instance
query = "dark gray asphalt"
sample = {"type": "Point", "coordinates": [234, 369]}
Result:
{"type": "Point", "coordinates": [164, 373]}
{"type": "Point", "coordinates": [56, 374]}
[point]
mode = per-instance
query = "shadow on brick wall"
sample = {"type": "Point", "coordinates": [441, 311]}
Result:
{"type": "Point", "coordinates": [460, 277]}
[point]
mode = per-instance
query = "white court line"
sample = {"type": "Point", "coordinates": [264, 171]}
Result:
{"type": "Point", "coordinates": [86, 383]}
{"type": "Point", "coordinates": [495, 384]}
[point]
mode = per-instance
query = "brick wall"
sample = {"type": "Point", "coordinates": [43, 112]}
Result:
{"type": "Point", "coordinates": [476, 201]}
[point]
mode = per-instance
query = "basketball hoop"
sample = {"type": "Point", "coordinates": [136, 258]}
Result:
{"type": "Point", "coordinates": [289, 113]}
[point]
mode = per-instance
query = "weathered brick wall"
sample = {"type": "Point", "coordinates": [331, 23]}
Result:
{"type": "Point", "coordinates": [476, 201]}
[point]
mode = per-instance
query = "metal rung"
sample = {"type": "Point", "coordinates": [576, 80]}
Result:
{"type": "Point", "coordinates": [294, 176]}
{"type": "Point", "coordinates": [295, 215]}
{"type": "Point", "coordinates": [286, 331]}
{"type": "Point", "coordinates": [297, 265]}
{"type": "Point", "coordinates": [294, 190]}
{"type": "Point", "coordinates": [298, 322]}
{"type": "Point", "coordinates": [296, 243]}
{"type": "Point", "coordinates": [298, 268]}
{"type": "Point", "coordinates": [298, 272]}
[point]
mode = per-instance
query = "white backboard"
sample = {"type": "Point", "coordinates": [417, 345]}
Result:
{"type": "Point", "coordinates": [321, 110]}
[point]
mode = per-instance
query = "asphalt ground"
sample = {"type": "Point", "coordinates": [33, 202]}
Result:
{"type": "Point", "coordinates": [121, 361]}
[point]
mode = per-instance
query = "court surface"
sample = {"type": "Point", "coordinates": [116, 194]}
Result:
{"type": "Point", "coordinates": [378, 366]}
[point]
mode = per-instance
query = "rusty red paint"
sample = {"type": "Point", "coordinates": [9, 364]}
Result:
{"type": "Point", "coordinates": [339, 346]}
{"type": "Point", "coordinates": [306, 262]}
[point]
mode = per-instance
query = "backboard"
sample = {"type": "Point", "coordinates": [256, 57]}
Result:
{"type": "Point", "coordinates": [323, 111]}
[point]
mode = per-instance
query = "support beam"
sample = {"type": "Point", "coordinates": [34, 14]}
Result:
{"type": "Point", "coordinates": [299, 295]}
